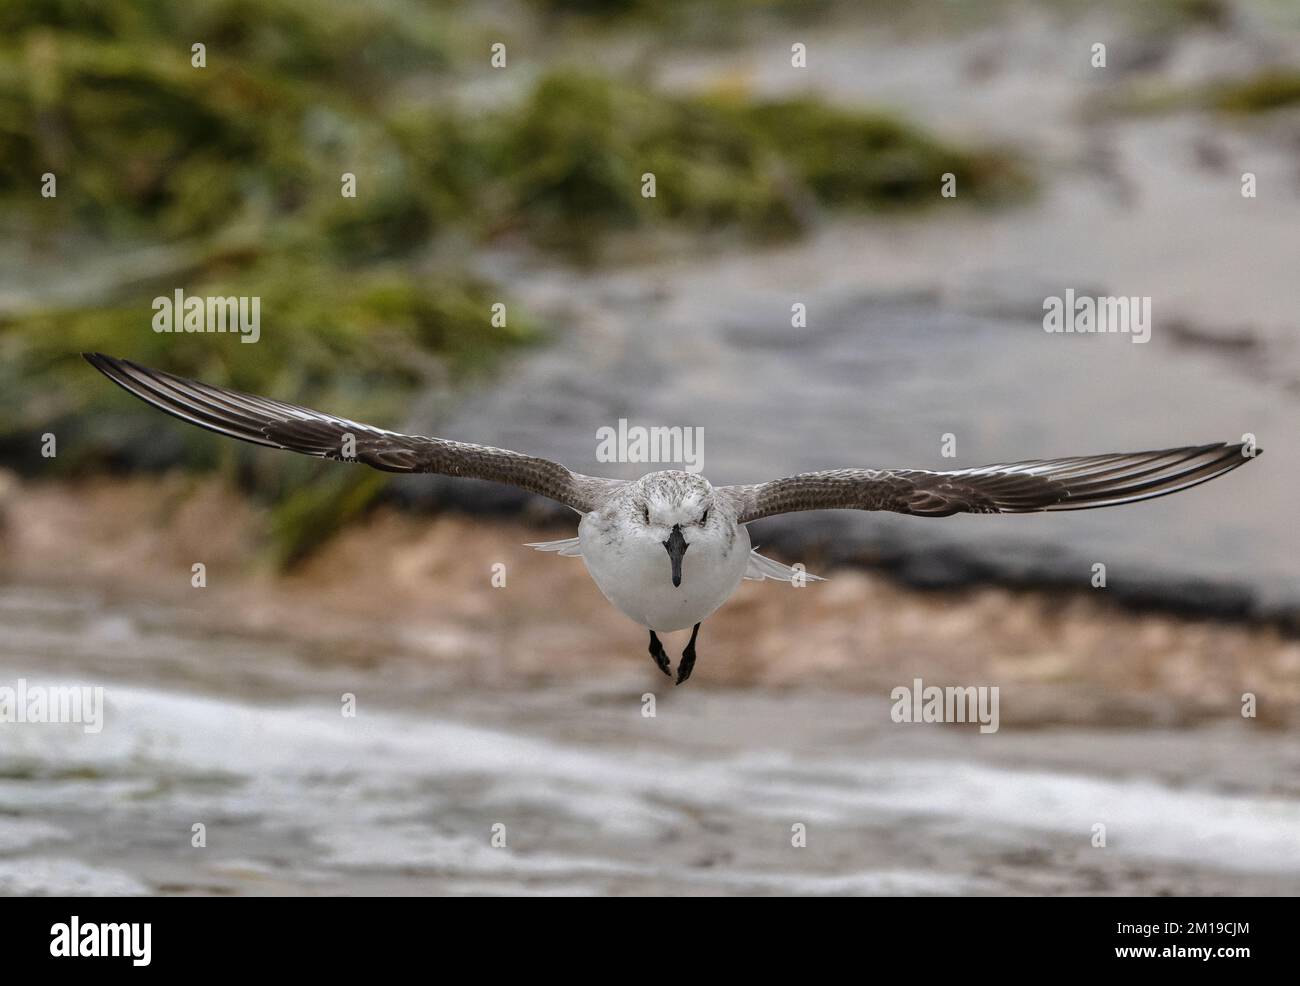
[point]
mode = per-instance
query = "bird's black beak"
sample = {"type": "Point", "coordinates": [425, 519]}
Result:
{"type": "Point", "coordinates": [676, 546]}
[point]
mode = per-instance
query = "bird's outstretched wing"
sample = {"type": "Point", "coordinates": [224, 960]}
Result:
{"type": "Point", "coordinates": [299, 429]}
{"type": "Point", "coordinates": [1075, 483]}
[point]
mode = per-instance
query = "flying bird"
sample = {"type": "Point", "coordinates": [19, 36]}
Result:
{"type": "Point", "coordinates": [670, 548]}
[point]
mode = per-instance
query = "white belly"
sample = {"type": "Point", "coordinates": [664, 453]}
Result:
{"type": "Point", "coordinates": [636, 577]}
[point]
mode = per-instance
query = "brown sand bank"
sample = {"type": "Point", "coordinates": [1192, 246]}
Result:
{"type": "Point", "coordinates": [422, 587]}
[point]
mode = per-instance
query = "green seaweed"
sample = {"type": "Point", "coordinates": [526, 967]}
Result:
{"type": "Point", "coordinates": [233, 173]}
{"type": "Point", "coordinates": [314, 512]}
{"type": "Point", "coordinates": [145, 145]}
{"type": "Point", "coordinates": [572, 159]}
{"type": "Point", "coordinates": [359, 344]}
{"type": "Point", "coordinates": [1273, 89]}
{"type": "Point", "coordinates": [1267, 91]}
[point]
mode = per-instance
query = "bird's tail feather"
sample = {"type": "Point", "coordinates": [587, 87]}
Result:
{"type": "Point", "coordinates": [761, 568]}
{"type": "Point", "coordinates": [569, 547]}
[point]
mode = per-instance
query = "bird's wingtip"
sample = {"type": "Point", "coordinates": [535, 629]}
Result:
{"type": "Point", "coordinates": [1246, 449]}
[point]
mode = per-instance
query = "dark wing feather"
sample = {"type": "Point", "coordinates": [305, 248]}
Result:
{"type": "Point", "coordinates": [1076, 483]}
{"type": "Point", "coordinates": [299, 429]}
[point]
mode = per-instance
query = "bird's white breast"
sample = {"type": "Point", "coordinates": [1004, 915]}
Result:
{"type": "Point", "coordinates": [635, 575]}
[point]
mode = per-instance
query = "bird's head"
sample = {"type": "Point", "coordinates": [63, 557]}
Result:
{"type": "Point", "coordinates": [677, 509]}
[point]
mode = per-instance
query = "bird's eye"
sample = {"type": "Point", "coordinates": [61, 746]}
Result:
{"type": "Point", "coordinates": [645, 512]}
{"type": "Point", "coordinates": [705, 519]}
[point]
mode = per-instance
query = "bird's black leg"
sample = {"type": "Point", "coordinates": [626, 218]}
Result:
{"type": "Point", "coordinates": [660, 655]}
{"type": "Point", "coordinates": [687, 664]}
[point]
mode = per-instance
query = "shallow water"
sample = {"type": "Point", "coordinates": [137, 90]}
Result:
{"type": "Point", "coordinates": [246, 737]}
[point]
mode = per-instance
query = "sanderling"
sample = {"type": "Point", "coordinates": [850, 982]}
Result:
{"type": "Point", "coordinates": [634, 535]}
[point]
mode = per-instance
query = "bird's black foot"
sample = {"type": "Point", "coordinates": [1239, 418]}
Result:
{"type": "Point", "coordinates": [687, 664]}
{"type": "Point", "coordinates": [660, 655]}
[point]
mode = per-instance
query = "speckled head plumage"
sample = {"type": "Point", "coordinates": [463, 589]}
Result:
{"type": "Point", "coordinates": [658, 501]}
{"type": "Point", "coordinates": [674, 497]}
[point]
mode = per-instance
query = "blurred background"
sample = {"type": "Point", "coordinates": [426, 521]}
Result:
{"type": "Point", "coordinates": [523, 706]}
